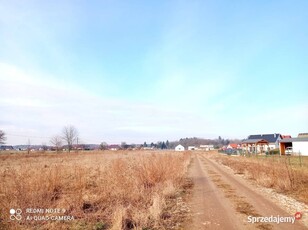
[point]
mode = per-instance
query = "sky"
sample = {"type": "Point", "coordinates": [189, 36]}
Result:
{"type": "Point", "coordinates": [138, 71]}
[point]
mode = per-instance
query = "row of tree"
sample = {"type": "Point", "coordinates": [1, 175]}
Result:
{"type": "Point", "coordinates": [192, 141]}
{"type": "Point", "coordinates": [69, 136]}
{"type": "Point", "coordinates": [195, 141]}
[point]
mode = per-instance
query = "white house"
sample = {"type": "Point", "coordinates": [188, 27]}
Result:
{"type": "Point", "coordinates": [255, 145]}
{"type": "Point", "coordinates": [191, 148]}
{"type": "Point", "coordinates": [207, 147]}
{"type": "Point", "coordinates": [298, 145]}
{"type": "Point", "coordinates": [179, 148]}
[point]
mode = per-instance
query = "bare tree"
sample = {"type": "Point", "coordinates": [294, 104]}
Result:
{"type": "Point", "coordinates": [69, 135]}
{"type": "Point", "coordinates": [103, 146]}
{"type": "Point", "coordinates": [2, 137]}
{"type": "Point", "coordinates": [57, 142]}
{"type": "Point", "coordinates": [28, 146]}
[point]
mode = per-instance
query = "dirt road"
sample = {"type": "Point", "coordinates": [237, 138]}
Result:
{"type": "Point", "coordinates": [221, 200]}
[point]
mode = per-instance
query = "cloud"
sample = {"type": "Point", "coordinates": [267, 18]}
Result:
{"type": "Point", "coordinates": [36, 106]}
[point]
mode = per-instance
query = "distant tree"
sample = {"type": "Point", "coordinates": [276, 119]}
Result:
{"type": "Point", "coordinates": [145, 144]}
{"type": "Point", "coordinates": [2, 137]}
{"type": "Point", "coordinates": [56, 141]}
{"type": "Point", "coordinates": [167, 144]}
{"type": "Point", "coordinates": [103, 146]}
{"type": "Point", "coordinates": [226, 142]}
{"type": "Point", "coordinates": [124, 145]}
{"type": "Point", "coordinates": [69, 135]}
{"type": "Point", "coordinates": [28, 146]}
{"type": "Point", "coordinates": [159, 144]}
{"type": "Point", "coordinates": [152, 145]}
{"type": "Point", "coordinates": [44, 147]}
{"type": "Point", "coordinates": [163, 145]}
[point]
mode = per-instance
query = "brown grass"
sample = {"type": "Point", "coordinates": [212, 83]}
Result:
{"type": "Point", "coordinates": [282, 174]}
{"type": "Point", "coordinates": [101, 191]}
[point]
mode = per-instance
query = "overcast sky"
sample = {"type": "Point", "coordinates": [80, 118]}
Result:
{"type": "Point", "coordinates": [140, 71]}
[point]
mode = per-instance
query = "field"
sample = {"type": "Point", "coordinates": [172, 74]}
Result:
{"type": "Point", "coordinates": [147, 190]}
{"type": "Point", "coordinates": [100, 190]}
{"type": "Point", "coordinates": [285, 174]}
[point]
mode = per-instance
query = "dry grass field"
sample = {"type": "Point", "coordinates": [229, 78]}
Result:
{"type": "Point", "coordinates": [285, 174]}
{"type": "Point", "coordinates": [101, 190]}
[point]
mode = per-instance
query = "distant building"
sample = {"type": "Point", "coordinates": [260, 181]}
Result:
{"type": "Point", "coordinates": [207, 147]}
{"type": "Point", "coordinates": [114, 147]}
{"type": "Point", "coordinates": [6, 147]}
{"type": "Point", "coordinates": [255, 145]}
{"type": "Point", "coordinates": [233, 146]}
{"type": "Point", "coordinates": [301, 135]}
{"type": "Point", "coordinates": [191, 148]}
{"type": "Point", "coordinates": [272, 139]}
{"type": "Point", "coordinates": [297, 145]}
{"type": "Point", "coordinates": [179, 148]}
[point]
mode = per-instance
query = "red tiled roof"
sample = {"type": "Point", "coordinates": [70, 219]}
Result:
{"type": "Point", "coordinates": [234, 146]}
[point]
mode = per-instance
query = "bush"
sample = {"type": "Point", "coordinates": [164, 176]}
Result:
{"type": "Point", "coordinates": [274, 152]}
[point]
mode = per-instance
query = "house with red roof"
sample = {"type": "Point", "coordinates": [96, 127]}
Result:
{"type": "Point", "coordinates": [233, 146]}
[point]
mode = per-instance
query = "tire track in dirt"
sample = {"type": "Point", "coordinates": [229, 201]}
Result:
{"type": "Point", "coordinates": [244, 198]}
{"type": "Point", "coordinates": [210, 208]}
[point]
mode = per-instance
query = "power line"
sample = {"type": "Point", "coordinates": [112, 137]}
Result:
{"type": "Point", "coordinates": [42, 137]}
{"type": "Point", "coordinates": [18, 135]}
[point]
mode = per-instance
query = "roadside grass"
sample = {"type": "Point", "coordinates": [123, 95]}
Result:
{"type": "Point", "coordinates": [294, 160]}
{"type": "Point", "coordinates": [284, 174]}
{"type": "Point", "coordinates": [102, 191]}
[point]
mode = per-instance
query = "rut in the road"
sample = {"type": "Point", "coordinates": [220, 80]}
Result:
{"type": "Point", "coordinates": [242, 206]}
{"type": "Point", "coordinates": [222, 200]}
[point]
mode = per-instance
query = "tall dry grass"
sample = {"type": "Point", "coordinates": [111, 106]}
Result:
{"type": "Point", "coordinates": [278, 173]}
{"type": "Point", "coordinates": [111, 191]}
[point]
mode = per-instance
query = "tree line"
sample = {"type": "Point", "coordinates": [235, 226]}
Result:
{"type": "Point", "coordinates": [69, 137]}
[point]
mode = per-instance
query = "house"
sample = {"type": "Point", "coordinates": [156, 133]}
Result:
{"type": "Point", "coordinates": [207, 147]}
{"type": "Point", "coordinates": [272, 139]}
{"type": "Point", "coordinates": [6, 147]}
{"type": "Point", "coordinates": [233, 146]}
{"type": "Point", "coordinates": [191, 148]}
{"type": "Point", "coordinates": [114, 147]}
{"type": "Point", "coordinates": [297, 145]}
{"type": "Point", "coordinates": [300, 135]}
{"type": "Point", "coordinates": [179, 148]}
{"type": "Point", "coordinates": [255, 145]}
